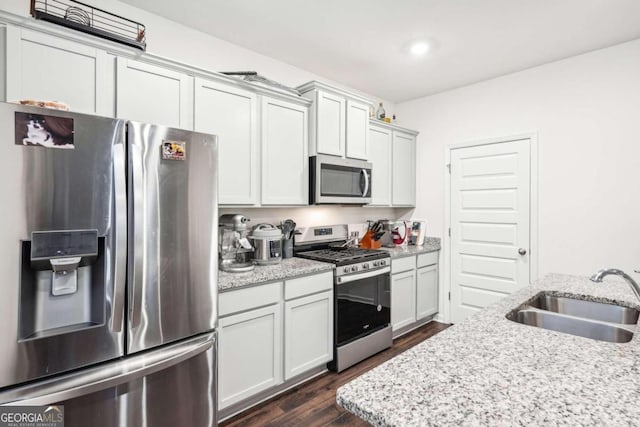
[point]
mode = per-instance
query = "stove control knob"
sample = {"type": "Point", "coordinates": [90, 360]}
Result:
{"type": "Point", "coordinates": [365, 266]}
{"type": "Point", "coordinates": [376, 263]}
{"type": "Point", "coordinates": [347, 269]}
{"type": "Point", "coordinates": [383, 262]}
{"type": "Point", "coordinates": [354, 268]}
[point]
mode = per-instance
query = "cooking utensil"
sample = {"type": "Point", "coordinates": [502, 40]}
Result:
{"type": "Point", "coordinates": [291, 228]}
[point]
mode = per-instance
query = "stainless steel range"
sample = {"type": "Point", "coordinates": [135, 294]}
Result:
{"type": "Point", "coordinates": [362, 293]}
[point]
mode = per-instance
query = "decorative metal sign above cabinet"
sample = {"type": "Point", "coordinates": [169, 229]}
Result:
{"type": "Point", "coordinates": [91, 20]}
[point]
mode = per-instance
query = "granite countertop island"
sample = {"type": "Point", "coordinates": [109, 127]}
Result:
{"type": "Point", "coordinates": [286, 269]}
{"type": "Point", "coordinates": [431, 244]}
{"type": "Point", "coordinates": [491, 371]}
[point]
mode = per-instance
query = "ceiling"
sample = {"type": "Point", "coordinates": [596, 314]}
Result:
{"type": "Point", "coordinates": [363, 43]}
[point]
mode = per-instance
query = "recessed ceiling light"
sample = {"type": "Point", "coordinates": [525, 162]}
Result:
{"type": "Point", "coordinates": [419, 48]}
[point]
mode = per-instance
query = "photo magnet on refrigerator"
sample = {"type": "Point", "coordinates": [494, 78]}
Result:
{"type": "Point", "coordinates": [174, 150]}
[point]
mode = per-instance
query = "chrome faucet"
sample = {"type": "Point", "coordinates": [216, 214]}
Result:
{"type": "Point", "coordinates": [600, 274]}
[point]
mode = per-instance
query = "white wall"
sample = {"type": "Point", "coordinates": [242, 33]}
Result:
{"type": "Point", "coordinates": [586, 111]}
{"type": "Point", "coordinates": [178, 42]}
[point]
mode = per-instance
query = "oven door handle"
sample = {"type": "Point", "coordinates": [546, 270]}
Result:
{"type": "Point", "coordinates": [359, 276]}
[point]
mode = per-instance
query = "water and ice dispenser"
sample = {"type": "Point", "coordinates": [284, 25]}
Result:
{"type": "Point", "coordinates": [62, 282]}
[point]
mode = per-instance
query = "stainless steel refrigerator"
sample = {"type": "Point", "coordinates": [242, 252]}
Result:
{"type": "Point", "coordinates": [108, 237]}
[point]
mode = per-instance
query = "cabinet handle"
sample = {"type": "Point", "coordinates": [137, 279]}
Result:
{"type": "Point", "coordinates": [522, 251]}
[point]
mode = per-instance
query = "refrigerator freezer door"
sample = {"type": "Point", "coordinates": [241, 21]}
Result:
{"type": "Point", "coordinates": [60, 171]}
{"type": "Point", "coordinates": [172, 386]}
{"type": "Point", "coordinates": [173, 211]}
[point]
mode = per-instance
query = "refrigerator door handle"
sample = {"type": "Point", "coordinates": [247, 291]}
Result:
{"type": "Point", "coordinates": [120, 269]}
{"type": "Point", "coordinates": [136, 249]}
{"type": "Point", "coordinates": [89, 381]}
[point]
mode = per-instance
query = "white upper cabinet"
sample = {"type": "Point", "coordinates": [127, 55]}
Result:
{"type": "Point", "coordinates": [44, 67]}
{"type": "Point", "coordinates": [380, 157]}
{"type": "Point", "coordinates": [403, 169]}
{"type": "Point", "coordinates": [357, 130]}
{"type": "Point", "coordinates": [339, 123]}
{"type": "Point", "coordinates": [152, 94]}
{"type": "Point", "coordinates": [330, 130]}
{"type": "Point", "coordinates": [285, 161]}
{"type": "Point", "coordinates": [232, 114]}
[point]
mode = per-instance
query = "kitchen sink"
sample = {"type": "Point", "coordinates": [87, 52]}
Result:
{"type": "Point", "coordinates": [588, 309]}
{"type": "Point", "coordinates": [599, 321]}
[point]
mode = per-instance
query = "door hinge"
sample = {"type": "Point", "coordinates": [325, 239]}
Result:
{"type": "Point", "coordinates": [449, 296]}
{"type": "Point", "coordinates": [449, 231]}
{"type": "Point", "coordinates": [449, 167]}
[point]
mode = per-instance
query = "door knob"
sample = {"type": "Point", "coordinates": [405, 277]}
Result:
{"type": "Point", "coordinates": [522, 251]}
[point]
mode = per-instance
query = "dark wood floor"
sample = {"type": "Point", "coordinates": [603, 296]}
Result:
{"type": "Point", "coordinates": [314, 402]}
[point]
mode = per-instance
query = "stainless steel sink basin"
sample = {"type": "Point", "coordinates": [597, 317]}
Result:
{"type": "Point", "coordinates": [589, 319]}
{"type": "Point", "coordinates": [586, 309]}
{"type": "Point", "coordinates": [571, 325]}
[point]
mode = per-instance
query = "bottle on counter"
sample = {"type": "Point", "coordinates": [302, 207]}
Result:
{"type": "Point", "coordinates": [380, 113]}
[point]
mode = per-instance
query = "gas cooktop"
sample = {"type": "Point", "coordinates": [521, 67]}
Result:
{"type": "Point", "coordinates": [343, 256]}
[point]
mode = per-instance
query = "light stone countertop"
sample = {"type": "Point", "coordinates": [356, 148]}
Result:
{"type": "Point", "coordinates": [490, 371]}
{"type": "Point", "coordinates": [431, 244]}
{"type": "Point", "coordinates": [286, 269]}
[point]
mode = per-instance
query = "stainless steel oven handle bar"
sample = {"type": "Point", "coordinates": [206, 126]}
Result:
{"type": "Point", "coordinates": [359, 276]}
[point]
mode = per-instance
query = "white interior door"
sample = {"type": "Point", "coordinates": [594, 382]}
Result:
{"type": "Point", "coordinates": [490, 224]}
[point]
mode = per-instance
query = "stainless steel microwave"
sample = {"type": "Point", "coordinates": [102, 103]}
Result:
{"type": "Point", "coordinates": [334, 180]}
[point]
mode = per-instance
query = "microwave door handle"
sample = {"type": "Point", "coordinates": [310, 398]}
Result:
{"type": "Point", "coordinates": [366, 182]}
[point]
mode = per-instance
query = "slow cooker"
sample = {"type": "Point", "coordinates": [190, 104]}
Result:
{"type": "Point", "coordinates": [267, 241]}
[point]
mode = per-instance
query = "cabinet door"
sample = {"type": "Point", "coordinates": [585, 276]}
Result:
{"type": "Point", "coordinates": [285, 162]}
{"type": "Point", "coordinates": [380, 157]}
{"type": "Point", "coordinates": [232, 115]}
{"type": "Point", "coordinates": [330, 124]}
{"type": "Point", "coordinates": [308, 333]}
{"type": "Point", "coordinates": [250, 354]}
{"type": "Point", "coordinates": [151, 94]}
{"type": "Point", "coordinates": [357, 130]}
{"type": "Point", "coordinates": [44, 67]}
{"type": "Point", "coordinates": [404, 170]}
{"type": "Point", "coordinates": [403, 299]}
{"type": "Point", "coordinates": [427, 291]}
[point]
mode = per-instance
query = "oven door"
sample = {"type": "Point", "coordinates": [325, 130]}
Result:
{"type": "Point", "coordinates": [339, 181]}
{"type": "Point", "coordinates": [363, 305]}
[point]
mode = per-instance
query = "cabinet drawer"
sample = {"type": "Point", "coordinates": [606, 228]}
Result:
{"type": "Point", "coordinates": [399, 265]}
{"type": "Point", "coordinates": [248, 298]}
{"type": "Point", "coordinates": [308, 285]}
{"type": "Point", "coordinates": [428, 259]}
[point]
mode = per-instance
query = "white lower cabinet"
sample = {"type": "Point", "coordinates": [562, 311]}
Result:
{"type": "Point", "coordinates": [271, 333]}
{"type": "Point", "coordinates": [403, 297]}
{"type": "Point", "coordinates": [250, 353]}
{"type": "Point", "coordinates": [426, 291]}
{"type": "Point", "coordinates": [308, 333]}
{"type": "Point", "coordinates": [414, 290]}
